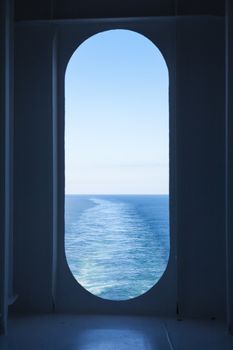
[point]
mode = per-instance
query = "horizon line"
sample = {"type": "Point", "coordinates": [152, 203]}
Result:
{"type": "Point", "coordinates": [116, 194]}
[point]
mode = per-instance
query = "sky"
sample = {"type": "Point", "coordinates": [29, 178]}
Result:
{"type": "Point", "coordinates": [117, 116]}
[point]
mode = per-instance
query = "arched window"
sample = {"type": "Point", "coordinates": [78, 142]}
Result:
{"type": "Point", "coordinates": [117, 165]}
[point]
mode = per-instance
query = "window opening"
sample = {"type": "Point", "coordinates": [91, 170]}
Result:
{"type": "Point", "coordinates": [117, 165]}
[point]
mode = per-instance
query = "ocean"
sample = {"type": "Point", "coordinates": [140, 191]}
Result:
{"type": "Point", "coordinates": [117, 246]}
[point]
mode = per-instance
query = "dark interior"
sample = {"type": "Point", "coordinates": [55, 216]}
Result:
{"type": "Point", "coordinates": [37, 40]}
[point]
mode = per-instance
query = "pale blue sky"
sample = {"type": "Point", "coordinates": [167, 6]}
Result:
{"type": "Point", "coordinates": [116, 117]}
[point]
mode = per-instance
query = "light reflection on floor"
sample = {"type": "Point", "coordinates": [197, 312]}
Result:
{"type": "Point", "coordinates": [113, 339]}
{"type": "Point", "coordinates": [72, 332]}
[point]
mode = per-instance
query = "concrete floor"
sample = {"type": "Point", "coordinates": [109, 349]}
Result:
{"type": "Point", "coordinates": [70, 332]}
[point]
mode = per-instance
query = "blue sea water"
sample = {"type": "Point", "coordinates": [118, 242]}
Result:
{"type": "Point", "coordinates": [117, 246]}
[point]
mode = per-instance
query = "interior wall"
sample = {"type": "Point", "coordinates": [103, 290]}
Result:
{"type": "Point", "coordinates": [61, 9]}
{"type": "Point", "coordinates": [6, 141]}
{"type": "Point", "coordinates": [198, 178]}
{"type": "Point", "coordinates": [201, 167]}
{"type": "Point", "coordinates": [33, 169]}
{"type": "Point", "coordinates": [229, 163]}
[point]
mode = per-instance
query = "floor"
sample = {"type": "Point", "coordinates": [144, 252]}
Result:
{"type": "Point", "coordinates": [70, 332]}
